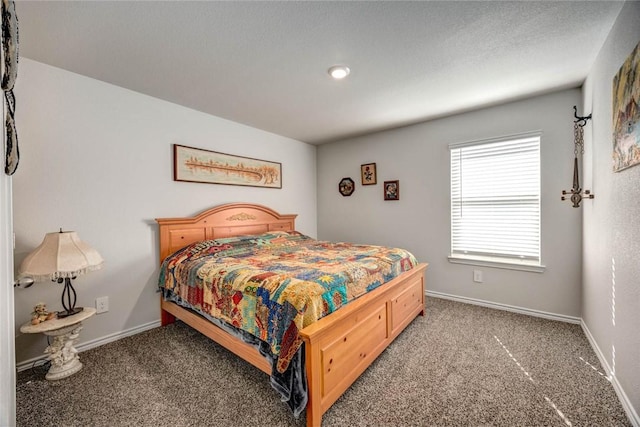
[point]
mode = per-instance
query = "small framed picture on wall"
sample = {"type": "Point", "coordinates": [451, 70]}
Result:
{"type": "Point", "coordinates": [346, 186]}
{"type": "Point", "coordinates": [368, 174]}
{"type": "Point", "coordinates": [392, 190]}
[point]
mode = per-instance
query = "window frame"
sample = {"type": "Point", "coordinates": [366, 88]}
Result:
{"type": "Point", "coordinates": [497, 261]}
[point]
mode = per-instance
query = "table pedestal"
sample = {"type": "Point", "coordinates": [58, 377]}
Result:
{"type": "Point", "coordinates": [62, 353]}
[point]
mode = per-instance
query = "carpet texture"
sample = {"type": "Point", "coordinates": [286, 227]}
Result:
{"type": "Point", "coordinates": [460, 365]}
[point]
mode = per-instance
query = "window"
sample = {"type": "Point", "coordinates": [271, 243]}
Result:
{"type": "Point", "coordinates": [495, 202]}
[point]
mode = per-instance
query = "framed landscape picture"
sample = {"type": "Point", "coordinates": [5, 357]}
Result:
{"type": "Point", "coordinates": [368, 174]}
{"type": "Point", "coordinates": [199, 165]}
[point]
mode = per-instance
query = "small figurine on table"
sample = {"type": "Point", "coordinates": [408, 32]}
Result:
{"type": "Point", "coordinates": [40, 314]}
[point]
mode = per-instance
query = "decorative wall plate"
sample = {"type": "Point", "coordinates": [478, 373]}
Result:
{"type": "Point", "coordinates": [346, 186]}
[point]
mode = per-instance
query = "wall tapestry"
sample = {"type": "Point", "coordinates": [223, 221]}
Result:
{"type": "Point", "coordinates": [626, 115]}
{"type": "Point", "coordinates": [199, 165]}
{"type": "Point", "coordinates": [9, 75]}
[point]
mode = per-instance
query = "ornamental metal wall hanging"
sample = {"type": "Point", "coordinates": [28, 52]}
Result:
{"type": "Point", "coordinates": [9, 75]}
{"type": "Point", "coordinates": [576, 194]}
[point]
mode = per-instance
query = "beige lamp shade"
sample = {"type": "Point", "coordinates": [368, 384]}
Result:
{"type": "Point", "coordinates": [59, 255]}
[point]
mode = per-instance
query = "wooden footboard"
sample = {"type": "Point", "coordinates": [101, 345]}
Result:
{"type": "Point", "coordinates": [340, 346]}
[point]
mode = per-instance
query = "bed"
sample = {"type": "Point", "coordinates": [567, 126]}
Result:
{"type": "Point", "coordinates": [338, 347]}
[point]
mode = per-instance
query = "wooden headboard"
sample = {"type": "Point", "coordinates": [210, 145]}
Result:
{"type": "Point", "coordinates": [234, 219]}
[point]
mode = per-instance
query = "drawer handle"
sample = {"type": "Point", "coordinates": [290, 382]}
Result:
{"type": "Point", "coordinates": [345, 339]}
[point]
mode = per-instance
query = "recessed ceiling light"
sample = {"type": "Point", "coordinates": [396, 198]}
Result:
{"type": "Point", "coordinates": [339, 71]}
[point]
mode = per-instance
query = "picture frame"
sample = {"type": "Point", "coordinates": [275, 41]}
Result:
{"type": "Point", "coordinates": [391, 190]}
{"type": "Point", "coordinates": [192, 164]}
{"type": "Point", "coordinates": [346, 187]}
{"type": "Point", "coordinates": [368, 174]}
{"type": "Point", "coordinates": [626, 117]}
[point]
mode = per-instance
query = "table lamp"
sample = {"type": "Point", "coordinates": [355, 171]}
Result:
{"type": "Point", "coordinates": [61, 257]}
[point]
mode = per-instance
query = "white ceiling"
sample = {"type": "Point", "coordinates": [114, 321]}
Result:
{"type": "Point", "coordinates": [265, 64]}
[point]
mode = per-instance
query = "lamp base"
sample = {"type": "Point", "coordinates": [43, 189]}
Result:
{"type": "Point", "coordinates": [68, 303]}
{"type": "Point", "coordinates": [71, 312]}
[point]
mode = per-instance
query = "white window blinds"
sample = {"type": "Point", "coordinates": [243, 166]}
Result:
{"type": "Point", "coordinates": [495, 199]}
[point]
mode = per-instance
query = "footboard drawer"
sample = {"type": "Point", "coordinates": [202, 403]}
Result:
{"type": "Point", "coordinates": [352, 352]}
{"type": "Point", "coordinates": [339, 347]}
{"type": "Point", "coordinates": [405, 306]}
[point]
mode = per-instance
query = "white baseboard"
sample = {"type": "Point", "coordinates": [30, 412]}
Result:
{"type": "Point", "coordinates": [622, 396]}
{"type": "Point", "coordinates": [506, 307]}
{"type": "Point", "coordinates": [94, 343]}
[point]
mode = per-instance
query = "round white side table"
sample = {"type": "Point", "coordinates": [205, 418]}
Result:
{"type": "Point", "coordinates": [62, 353]}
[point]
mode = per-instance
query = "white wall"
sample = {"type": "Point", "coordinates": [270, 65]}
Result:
{"type": "Point", "coordinates": [7, 352]}
{"type": "Point", "coordinates": [97, 159]}
{"type": "Point", "coordinates": [611, 229]}
{"type": "Point", "coordinates": [418, 156]}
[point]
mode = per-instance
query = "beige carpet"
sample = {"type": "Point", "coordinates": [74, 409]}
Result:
{"type": "Point", "coordinates": [460, 365]}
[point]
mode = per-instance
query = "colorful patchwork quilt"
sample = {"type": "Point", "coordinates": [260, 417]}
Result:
{"type": "Point", "coordinates": [272, 285]}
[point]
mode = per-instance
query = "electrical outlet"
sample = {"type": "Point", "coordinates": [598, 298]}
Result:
{"type": "Point", "coordinates": [102, 305]}
{"type": "Point", "coordinates": [477, 276]}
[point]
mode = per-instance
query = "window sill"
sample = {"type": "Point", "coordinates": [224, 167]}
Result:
{"type": "Point", "coordinates": [497, 263]}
